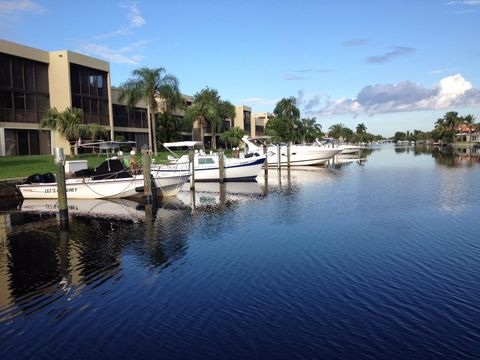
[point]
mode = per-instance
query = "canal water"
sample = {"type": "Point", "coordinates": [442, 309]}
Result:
{"type": "Point", "coordinates": [361, 260]}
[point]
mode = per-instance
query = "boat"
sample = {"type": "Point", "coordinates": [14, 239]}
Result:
{"type": "Point", "coordinates": [207, 166]}
{"type": "Point", "coordinates": [345, 149]}
{"type": "Point", "coordinates": [110, 180]}
{"type": "Point", "coordinates": [300, 155]}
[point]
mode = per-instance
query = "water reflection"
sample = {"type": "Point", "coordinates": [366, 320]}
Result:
{"type": "Point", "coordinates": [451, 156]}
{"type": "Point", "coordinates": [44, 269]}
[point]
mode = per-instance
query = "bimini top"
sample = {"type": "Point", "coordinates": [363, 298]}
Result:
{"type": "Point", "coordinates": [182, 144]}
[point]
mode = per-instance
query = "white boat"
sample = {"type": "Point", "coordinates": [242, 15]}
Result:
{"type": "Point", "coordinates": [206, 166]}
{"type": "Point", "coordinates": [116, 182]}
{"type": "Point", "coordinates": [345, 149]}
{"type": "Point", "coordinates": [300, 155]}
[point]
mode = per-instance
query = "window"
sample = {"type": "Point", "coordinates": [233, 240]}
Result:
{"type": "Point", "coordinates": [29, 78]}
{"type": "Point", "coordinates": [5, 76]}
{"type": "Point", "coordinates": [90, 94]}
{"type": "Point", "coordinates": [41, 77]}
{"type": "Point", "coordinates": [17, 73]}
{"type": "Point", "coordinates": [205, 161]}
{"type": "Point", "coordinates": [19, 97]}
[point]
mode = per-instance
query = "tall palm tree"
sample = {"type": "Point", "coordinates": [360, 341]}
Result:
{"type": "Point", "coordinates": [336, 131]}
{"type": "Point", "coordinates": [69, 124]}
{"type": "Point", "coordinates": [208, 108]}
{"type": "Point", "coordinates": [151, 86]}
{"type": "Point", "coordinates": [287, 108]}
{"type": "Point", "coordinates": [311, 129]}
{"type": "Point", "coordinates": [361, 128]}
{"type": "Point", "coordinates": [469, 120]}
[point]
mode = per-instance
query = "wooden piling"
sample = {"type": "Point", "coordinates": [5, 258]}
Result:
{"type": "Point", "coordinates": [192, 170]}
{"type": "Point", "coordinates": [147, 178]}
{"type": "Point", "coordinates": [59, 158]}
{"type": "Point", "coordinates": [279, 158]}
{"type": "Point", "coordinates": [265, 164]}
{"type": "Point", "coordinates": [221, 167]}
{"type": "Point", "coordinates": [288, 154]}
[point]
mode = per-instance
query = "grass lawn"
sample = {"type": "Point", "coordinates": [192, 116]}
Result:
{"type": "Point", "coordinates": [23, 166]}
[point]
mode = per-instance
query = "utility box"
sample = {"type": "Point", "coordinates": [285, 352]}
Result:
{"type": "Point", "coordinates": [75, 165]}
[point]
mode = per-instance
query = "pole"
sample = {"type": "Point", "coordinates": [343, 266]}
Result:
{"type": "Point", "coordinates": [192, 170]}
{"type": "Point", "coordinates": [59, 158]}
{"type": "Point", "coordinates": [221, 167]}
{"type": "Point", "coordinates": [265, 164]}
{"type": "Point", "coordinates": [288, 154]}
{"type": "Point", "coordinates": [147, 178]}
{"type": "Point", "coordinates": [279, 157]}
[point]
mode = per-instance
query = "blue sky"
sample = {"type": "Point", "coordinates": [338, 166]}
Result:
{"type": "Point", "coordinates": [393, 65]}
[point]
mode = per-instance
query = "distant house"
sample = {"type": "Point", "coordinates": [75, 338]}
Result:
{"type": "Point", "coordinates": [468, 133]}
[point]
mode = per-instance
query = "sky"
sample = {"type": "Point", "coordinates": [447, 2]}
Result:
{"type": "Point", "coordinates": [392, 65]}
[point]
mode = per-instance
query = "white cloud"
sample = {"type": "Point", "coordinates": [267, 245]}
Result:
{"type": "Point", "coordinates": [451, 91]}
{"type": "Point", "coordinates": [258, 100]}
{"type": "Point", "coordinates": [10, 7]}
{"type": "Point", "coordinates": [136, 20]}
{"type": "Point", "coordinates": [464, 2]}
{"type": "Point", "coordinates": [126, 55]}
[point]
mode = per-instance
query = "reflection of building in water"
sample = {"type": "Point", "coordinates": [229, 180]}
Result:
{"type": "Point", "coordinates": [39, 265]}
{"type": "Point", "coordinates": [5, 292]}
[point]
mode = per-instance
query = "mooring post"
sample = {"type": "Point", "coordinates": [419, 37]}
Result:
{"type": "Point", "coordinates": [288, 154]}
{"type": "Point", "coordinates": [265, 164]}
{"type": "Point", "coordinates": [221, 166]}
{"type": "Point", "coordinates": [147, 178]}
{"type": "Point", "coordinates": [192, 170]}
{"type": "Point", "coordinates": [59, 158]}
{"type": "Point", "coordinates": [279, 157]}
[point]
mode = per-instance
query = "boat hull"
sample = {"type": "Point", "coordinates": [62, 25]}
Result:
{"type": "Point", "coordinates": [246, 169]}
{"type": "Point", "coordinates": [84, 189]}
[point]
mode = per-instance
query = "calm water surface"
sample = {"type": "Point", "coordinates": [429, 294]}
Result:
{"type": "Point", "coordinates": [380, 260]}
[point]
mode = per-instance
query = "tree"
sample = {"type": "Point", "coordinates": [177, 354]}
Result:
{"type": "Point", "coordinates": [310, 130]}
{"type": "Point", "coordinates": [152, 86]}
{"type": "Point", "coordinates": [209, 109]}
{"type": "Point", "coordinates": [287, 108]}
{"type": "Point", "coordinates": [337, 131]}
{"type": "Point", "coordinates": [286, 124]}
{"type": "Point", "coordinates": [69, 124]}
{"type": "Point", "coordinates": [469, 120]}
{"type": "Point", "coordinates": [233, 136]}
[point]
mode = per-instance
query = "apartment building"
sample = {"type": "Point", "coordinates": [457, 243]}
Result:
{"type": "Point", "coordinates": [34, 80]}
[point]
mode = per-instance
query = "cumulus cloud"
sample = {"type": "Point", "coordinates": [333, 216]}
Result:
{"type": "Point", "coordinates": [355, 42]}
{"type": "Point", "coordinates": [451, 91]}
{"type": "Point", "coordinates": [125, 55]}
{"type": "Point", "coordinates": [391, 55]}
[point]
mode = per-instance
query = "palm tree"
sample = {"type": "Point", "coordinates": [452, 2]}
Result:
{"type": "Point", "coordinates": [287, 119]}
{"type": "Point", "coordinates": [208, 108]}
{"type": "Point", "coordinates": [287, 108]}
{"type": "Point", "coordinates": [311, 130]}
{"type": "Point", "coordinates": [336, 131]}
{"type": "Point", "coordinates": [361, 128]}
{"type": "Point", "coordinates": [152, 86]}
{"type": "Point", "coordinates": [69, 124]}
{"type": "Point", "coordinates": [233, 136]}
{"type": "Point", "coordinates": [469, 120]}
